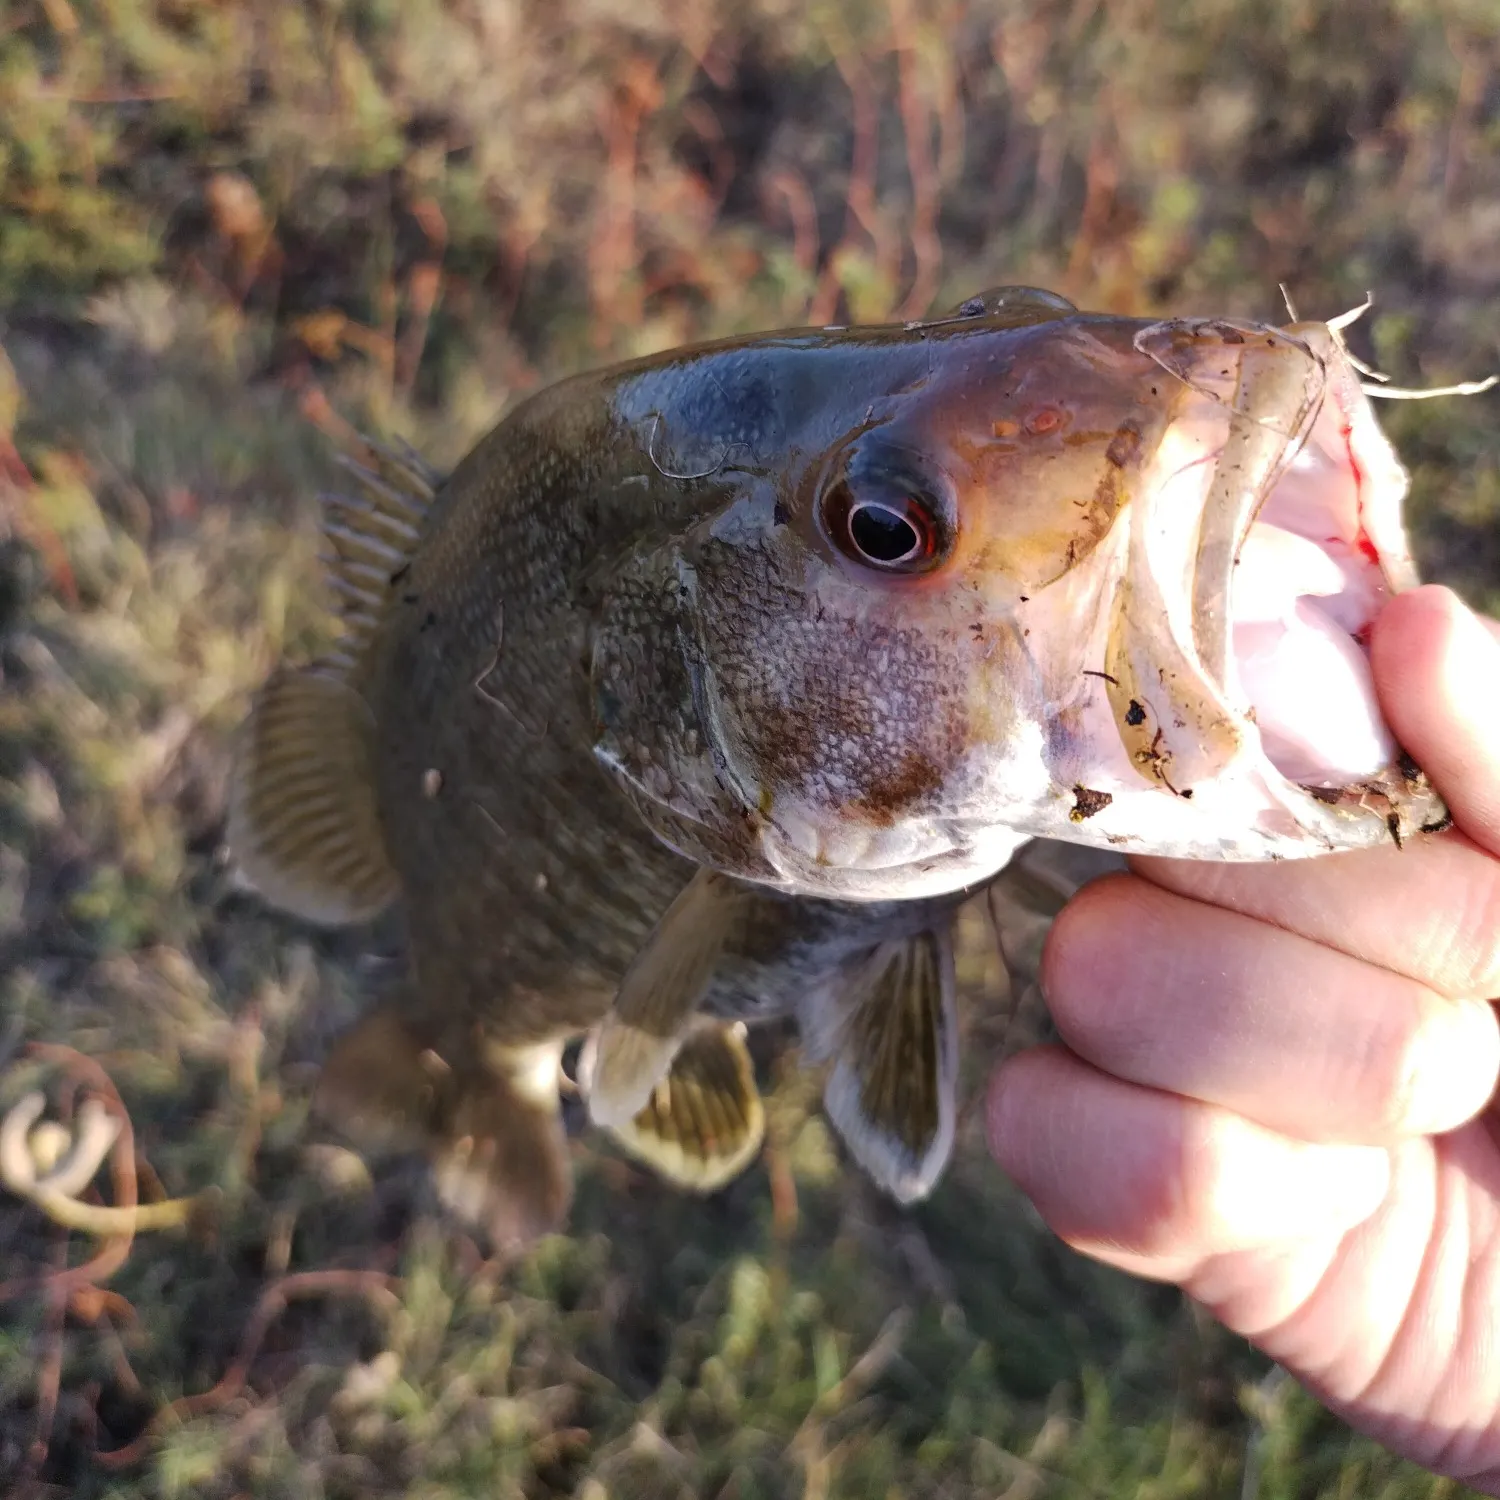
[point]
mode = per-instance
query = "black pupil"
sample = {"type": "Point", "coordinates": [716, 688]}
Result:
{"type": "Point", "coordinates": [882, 534]}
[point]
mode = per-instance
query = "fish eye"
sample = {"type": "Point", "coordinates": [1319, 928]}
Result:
{"type": "Point", "coordinates": [890, 532]}
{"type": "Point", "coordinates": [883, 535]}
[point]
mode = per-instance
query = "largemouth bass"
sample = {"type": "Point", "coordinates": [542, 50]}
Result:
{"type": "Point", "coordinates": [707, 687]}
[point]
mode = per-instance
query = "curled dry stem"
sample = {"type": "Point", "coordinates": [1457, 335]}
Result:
{"type": "Point", "coordinates": [47, 1165]}
{"type": "Point", "coordinates": [884, 1349]}
{"type": "Point", "coordinates": [52, 1167]}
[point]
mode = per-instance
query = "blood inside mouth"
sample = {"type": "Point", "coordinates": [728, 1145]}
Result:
{"type": "Point", "coordinates": [1305, 590]}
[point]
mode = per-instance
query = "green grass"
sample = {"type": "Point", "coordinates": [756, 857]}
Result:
{"type": "Point", "coordinates": [220, 225]}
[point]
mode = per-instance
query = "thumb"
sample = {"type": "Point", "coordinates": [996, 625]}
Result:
{"type": "Point", "coordinates": [1437, 673]}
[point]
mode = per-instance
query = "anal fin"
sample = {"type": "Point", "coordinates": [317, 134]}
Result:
{"type": "Point", "coordinates": [894, 1039]}
{"type": "Point", "coordinates": [304, 825]}
{"type": "Point", "coordinates": [382, 1085]}
{"type": "Point", "coordinates": [487, 1117]}
{"type": "Point", "coordinates": [704, 1122]}
{"type": "Point", "coordinates": [501, 1162]}
{"type": "Point", "coordinates": [636, 1043]}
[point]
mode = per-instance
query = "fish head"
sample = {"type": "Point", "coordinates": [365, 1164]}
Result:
{"type": "Point", "coordinates": [1030, 572]}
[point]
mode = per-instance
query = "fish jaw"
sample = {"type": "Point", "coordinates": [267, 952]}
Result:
{"type": "Point", "coordinates": [1229, 709]}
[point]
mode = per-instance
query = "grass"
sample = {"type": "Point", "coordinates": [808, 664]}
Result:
{"type": "Point", "coordinates": [226, 228]}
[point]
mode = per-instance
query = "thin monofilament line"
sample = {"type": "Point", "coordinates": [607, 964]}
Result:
{"type": "Point", "coordinates": [1381, 387]}
{"type": "Point", "coordinates": [1403, 393]}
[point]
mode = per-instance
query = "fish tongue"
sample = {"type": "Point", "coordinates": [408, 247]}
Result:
{"type": "Point", "coordinates": [1276, 568]}
{"type": "Point", "coordinates": [1314, 697]}
{"type": "Point", "coordinates": [1276, 397]}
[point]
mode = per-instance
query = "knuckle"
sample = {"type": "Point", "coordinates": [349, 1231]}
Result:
{"type": "Point", "coordinates": [1208, 1180]}
{"type": "Point", "coordinates": [1178, 1201]}
{"type": "Point", "coordinates": [1466, 947]}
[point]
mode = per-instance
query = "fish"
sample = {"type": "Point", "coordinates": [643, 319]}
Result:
{"type": "Point", "coordinates": [708, 687]}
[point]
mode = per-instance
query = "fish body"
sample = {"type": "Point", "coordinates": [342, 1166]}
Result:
{"type": "Point", "coordinates": [707, 687]}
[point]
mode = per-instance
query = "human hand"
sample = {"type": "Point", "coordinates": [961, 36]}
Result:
{"type": "Point", "coordinates": [1276, 1083]}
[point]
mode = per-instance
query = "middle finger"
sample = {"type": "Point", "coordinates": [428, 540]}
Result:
{"type": "Point", "coordinates": [1176, 994]}
{"type": "Point", "coordinates": [1430, 910]}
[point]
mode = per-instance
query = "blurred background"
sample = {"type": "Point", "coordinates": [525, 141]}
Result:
{"type": "Point", "coordinates": [228, 228]}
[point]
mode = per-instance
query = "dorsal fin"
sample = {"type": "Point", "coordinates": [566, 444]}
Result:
{"type": "Point", "coordinates": [304, 823]}
{"type": "Point", "coordinates": [369, 538]}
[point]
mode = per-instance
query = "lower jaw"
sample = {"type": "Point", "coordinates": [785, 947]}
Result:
{"type": "Point", "coordinates": [980, 852]}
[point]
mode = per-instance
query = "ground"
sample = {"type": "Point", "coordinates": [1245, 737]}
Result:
{"type": "Point", "coordinates": [225, 230]}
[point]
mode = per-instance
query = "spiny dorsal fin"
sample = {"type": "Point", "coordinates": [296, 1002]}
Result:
{"type": "Point", "coordinates": [370, 538]}
{"type": "Point", "coordinates": [304, 825]}
{"type": "Point", "coordinates": [634, 1046]}
{"type": "Point", "coordinates": [704, 1122]}
{"type": "Point", "coordinates": [895, 1075]}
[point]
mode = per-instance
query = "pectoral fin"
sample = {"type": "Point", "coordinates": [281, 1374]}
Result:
{"type": "Point", "coordinates": [634, 1046]}
{"type": "Point", "coordinates": [1025, 898]}
{"type": "Point", "coordinates": [704, 1122]}
{"type": "Point", "coordinates": [892, 1089]}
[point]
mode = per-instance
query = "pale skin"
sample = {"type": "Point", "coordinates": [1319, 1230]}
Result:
{"type": "Point", "coordinates": [1277, 1084]}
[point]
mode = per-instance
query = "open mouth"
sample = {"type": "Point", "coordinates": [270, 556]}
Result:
{"type": "Point", "coordinates": [1300, 544]}
{"type": "Point", "coordinates": [1325, 550]}
{"type": "Point", "coordinates": [1307, 585]}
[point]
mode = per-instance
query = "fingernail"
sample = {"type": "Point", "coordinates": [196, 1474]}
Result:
{"type": "Point", "coordinates": [1451, 1067]}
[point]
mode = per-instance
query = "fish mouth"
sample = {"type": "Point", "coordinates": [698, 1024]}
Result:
{"type": "Point", "coordinates": [1300, 545]}
{"type": "Point", "coordinates": [1240, 646]}
{"type": "Point", "coordinates": [1323, 553]}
